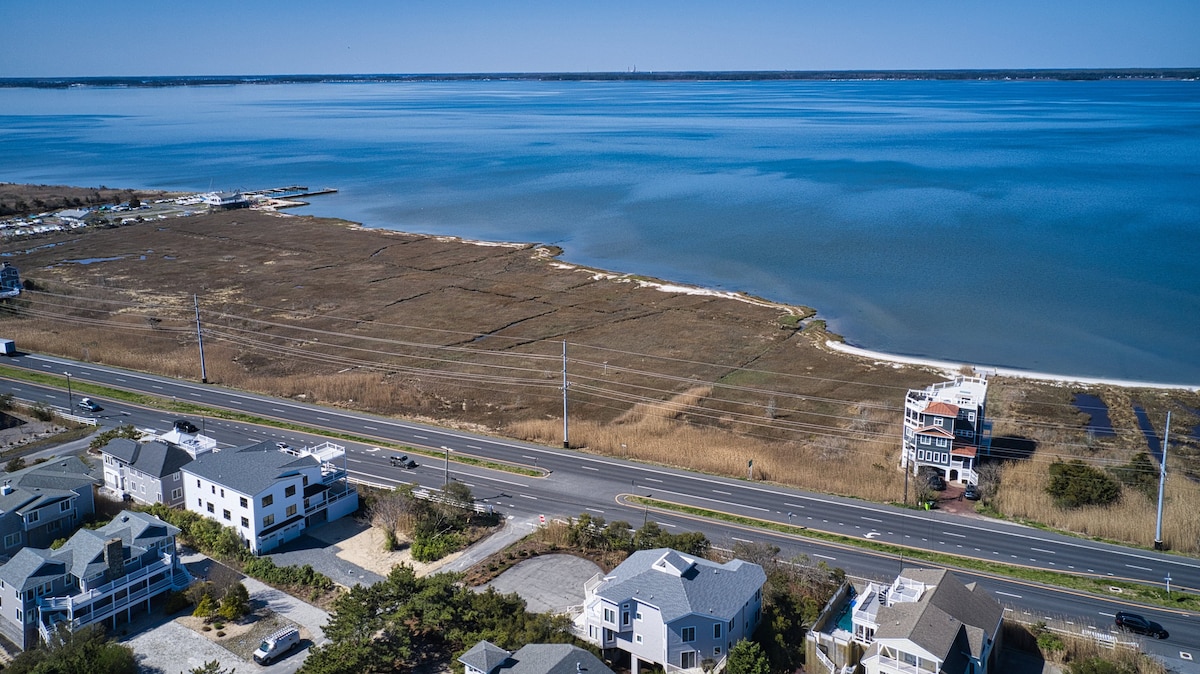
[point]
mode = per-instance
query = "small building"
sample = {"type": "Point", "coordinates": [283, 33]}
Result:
{"type": "Point", "coordinates": [945, 429]}
{"type": "Point", "coordinates": [681, 612]}
{"type": "Point", "coordinates": [488, 658]}
{"type": "Point", "coordinates": [43, 503]}
{"type": "Point", "coordinates": [270, 493]}
{"type": "Point", "coordinates": [226, 200]}
{"type": "Point", "coordinates": [10, 281]}
{"type": "Point", "coordinates": [924, 621]}
{"type": "Point", "coordinates": [97, 575]}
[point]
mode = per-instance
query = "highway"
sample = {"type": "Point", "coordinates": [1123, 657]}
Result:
{"type": "Point", "coordinates": [576, 482]}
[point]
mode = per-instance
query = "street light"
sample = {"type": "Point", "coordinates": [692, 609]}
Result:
{"type": "Point", "coordinates": [70, 398]}
{"type": "Point", "coordinates": [447, 485]}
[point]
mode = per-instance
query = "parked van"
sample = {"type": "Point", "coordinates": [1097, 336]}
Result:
{"type": "Point", "coordinates": [277, 645]}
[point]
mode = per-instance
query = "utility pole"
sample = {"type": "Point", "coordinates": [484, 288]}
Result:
{"type": "Point", "coordinates": [200, 340]}
{"type": "Point", "coordinates": [566, 433]}
{"type": "Point", "coordinates": [70, 398]}
{"type": "Point", "coordinates": [1162, 481]}
{"type": "Point", "coordinates": [750, 470]}
{"type": "Point", "coordinates": [447, 484]}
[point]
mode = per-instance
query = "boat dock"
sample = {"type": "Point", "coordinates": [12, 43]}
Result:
{"type": "Point", "coordinates": [289, 192]}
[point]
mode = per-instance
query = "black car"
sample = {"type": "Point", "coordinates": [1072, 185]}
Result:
{"type": "Point", "coordinates": [1132, 622]}
{"type": "Point", "coordinates": [402, 462]}
{"type": "Point", "coordinates": [971, 493]}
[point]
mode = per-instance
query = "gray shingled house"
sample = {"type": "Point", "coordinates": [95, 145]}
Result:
{"type": "Point", "coordinates": [488, 658]}
{"type": "Point", "coordinates": [97, 575]}
{"type": "Point", "coordinates": [668, 608]}
{"type": "Point", "coordinates": [927, 620]}
{"type": "Point", "coordinates": [44, 502]}
{"type": "Point", "coordinates": [145, 472]}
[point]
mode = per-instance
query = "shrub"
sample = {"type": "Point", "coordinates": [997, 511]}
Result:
{"type": "Point", "coordinates": [426, 548]}
{"type": "Point", "coordinates": [176, 602]}
{"type": "Point", "coordinates": [14, 465]}
{"type": "Point", "coordinates": [1075, 484]}
{"type": "Point", "coordinates": [41, 411]}
{"type": "Point", "coordinates": [206, 608]}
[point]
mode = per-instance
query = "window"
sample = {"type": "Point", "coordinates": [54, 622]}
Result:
{"type": "Point", "coordinates": [624, 617]}
{"type": "Point", "coordinates": [716, 650]}
{"type": "Point", "coordinates": [290, 490]}
{"type": "Point", "coordinates": [12, 540]}
{"type": "Point", "coordinates": [937, 421]}
{"type": "Point", "coordinates": [245, 523]}
{"type": "Point", "coordinates": [143, 487]}
{"type": "Point", "coordinates": [941, 442]}
{"type": "Point", "coordinates": [908, 658]}
{"type": "Point", "coordinates": [637, 638]}
{"type": "Point", "coordinates": [925, 440]}
{"type": "Point", "coordinates": [638, 616]}
{"type": "Point", "coordinates": [32, 517]}
{"type": "Point", "coordinates": [268, 520]}
{"type": "Point", "coordinates": [610, 616]}
{"type": "Point", "coordinates": [732, 623]}
{"type": "Point", "coordinates": [717, 630]}
{"type": "Point", "coordinates": [197, 484]}
{"type": "Point", "coordinates": [242, 502]}
{"type": "Point", "coordinates": [291, 510]}
{"type": "Point", "coordinates": [199, 503]}
{"type": "Point", "coordinates": [176, 493]}
{"type": "Point", "coordinates": [222, 492]}
{"type": "Point", "coordinates": [213, 487]}
{"type": "Point", "coordinates": [688, 634]}
{"type": "Point", "coordinates": [970, 416]}
{"type": "Point", "coordinates": [268, 500]}
{"type": "Point", "coordinates": [64, 506]}
{"type": "Point", "coordinates": [176, 477]}
{"type": "Point", "coordinates": [687, 659]}
{"type": "Point", "coordinates": [210, 508]}
{"type": "Point", "coordinates": [226, 514]}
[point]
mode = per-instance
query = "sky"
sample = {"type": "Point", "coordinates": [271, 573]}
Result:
{"type": "Point", "coordinates": [82, 38]}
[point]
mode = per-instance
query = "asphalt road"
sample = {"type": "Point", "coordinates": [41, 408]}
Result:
{"type": "Point", "coordinates": [576, 482]}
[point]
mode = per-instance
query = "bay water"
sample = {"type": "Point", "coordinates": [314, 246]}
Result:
{"type": "Point", "coordinates": [1052, 226]}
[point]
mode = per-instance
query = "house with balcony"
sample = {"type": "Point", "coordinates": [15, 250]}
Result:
{"type": "Point", "coordinates": [98, 575]}
{"type": "Point", "coordinates": [681, 612]}
{"type": "Point", "coordinates": [488, 658]}
{"type": "Point", "coordinates": [270, 493]}
{"type": "Point", "coordinates": [945, 429]}
{"type": "Point", "coordinates": [43, 503]}
{"type": "Point", "coordinates": [924, 622]}
{"type": "Point", "coordinates": [148, 470]}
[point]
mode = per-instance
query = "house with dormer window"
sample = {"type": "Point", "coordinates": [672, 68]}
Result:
{"type": "Point", "coordinates": [488, 658]}
{"type": "Point", "coordinates": [97, 575]}
{"type": "Point", "coordinates": [681, 612]}
{"type": "Point", "coordinates": [945, 429]}
{"type": "Point", "coordinates": [43, 503]}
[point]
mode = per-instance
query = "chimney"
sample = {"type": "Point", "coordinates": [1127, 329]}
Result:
{"type": "Point", "coordinates": [114, 557]}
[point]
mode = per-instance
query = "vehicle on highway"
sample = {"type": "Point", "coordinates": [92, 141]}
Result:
{"type": "Point", "coordinates": [971, 493]}
{"type": "Point", "coordinates": [402, 461]}
{"type": "Point", "coordinates": [88, 405]}
{"type": "Point", "coordinates": [1132, 622]}
{"type": "Point", "coordinates": [185, 426]}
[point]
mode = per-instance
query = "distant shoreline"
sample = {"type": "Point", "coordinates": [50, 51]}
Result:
{"type": "Point", "coordinates": [1051, 74]}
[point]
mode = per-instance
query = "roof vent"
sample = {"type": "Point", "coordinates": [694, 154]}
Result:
{"type": "Point", "coordinates": [6, 489]}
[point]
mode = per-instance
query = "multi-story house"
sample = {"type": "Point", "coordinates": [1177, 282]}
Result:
{"type": "Point", "coordinates": [270, 492]}
{"type": "Point", "coordinates": [488, 658]}
{"type": "Point", "coordinates": [681, 612]}
{"type": "Point", "coordinates": [925, 621]}
{"type": "Point", "coordinates": [148, 470]}
{"type": "Point", "coordinates": [97, 575]}
{"type": "Point", "coordinates": [43, 503]}
{"type": "Point", "coordinates": [945, 429]}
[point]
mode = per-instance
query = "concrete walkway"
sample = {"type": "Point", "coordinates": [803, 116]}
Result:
{"type": "Point", "coordinates": [513, 531]}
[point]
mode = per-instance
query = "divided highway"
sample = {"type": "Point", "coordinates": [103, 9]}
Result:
{"type": "Point", "coordinates": [577, 482]}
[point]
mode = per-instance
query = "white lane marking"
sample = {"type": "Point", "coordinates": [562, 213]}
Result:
{"type": "Point", "coordinates": [355, 460]}
{"type": "Point", "coordinates": [596, 510]}
{"type": "Point", "coordinates": [526, 456]}
{"type": "Point", "coordinates": [370, 428]}
{"type": "Point", "coordinates": [478, 447]}
{"type": "Point", "coordinates": [650, 479]}
{"type": "Point", "coordinates": [872, 519]}
{"type": "Point", "coordinates": [823, 556]}
{"type": "Point", "coordinates": [195, 395]}
{"type": "Point", "coordinates": [591, 468]}
{"type": "Point", "coordinates": [420, 437]}
{"type": "Point", "coordinates": [323, 418]}
{"type": "Point", "coordinates": [702, 498]}
{"type": "Point", "coordinates": [722, 493]}
{"type": "Point", "coordinates": [1139, 568]}
{"type": "Point", "coordinates": [276, 409]}
{"type": "Point", "coordinates": [1110, 615]}
{"type": "Point", "coordinates": [664, 524]}
{"type": "Point", "coordinates": [949, 533]}
{"type": "Point", "coordinates": [119, 379]}
{"type": "Point", "coordinates": [794, 505]}
{"type": "Point", "coordinates": [1049, 552]}
{"type": "Point", "coordinates": [531, 498]}
{"type": "Point", "coordinates": [740, 540]}
{"type": "Point", "coordinates": [156, 386]}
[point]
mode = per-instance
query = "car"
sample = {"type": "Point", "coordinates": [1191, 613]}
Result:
{"type": "Point", "coordinates": [185, 426]}
{"type": "Point", "coordinates": [277, 645]}
{"type": "Point", "coordinates": [971, 493]}
{"type": "Point", "coordinates": [88, 405]}
{"type": "Point", "coordinates": [282, 446]}
{"type": "Point", "coordinates": [402, 461]}
{"type": "Point", "coordinates": [1132, 622]}
{"type": "Point", "coordinates": [934, 479]}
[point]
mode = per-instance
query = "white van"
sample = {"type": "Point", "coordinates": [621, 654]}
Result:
{"type": "Point", "coordinates": [275, 646]}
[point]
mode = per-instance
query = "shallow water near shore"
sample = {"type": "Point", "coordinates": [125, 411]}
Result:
{"type": "Point", "coordinates": [1050, 226]}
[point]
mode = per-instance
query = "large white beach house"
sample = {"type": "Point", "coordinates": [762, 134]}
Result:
{"type": "Point", "coordinates": [270, 493]}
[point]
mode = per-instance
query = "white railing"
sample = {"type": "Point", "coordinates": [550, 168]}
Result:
{"type": "Point", "coordinates": [825, 661]}
{"type": "Point", "coordinates": [85, 597]}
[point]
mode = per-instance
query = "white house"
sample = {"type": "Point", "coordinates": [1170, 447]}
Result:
{"type": "Point", "coordinates": [268, 493]}
{"type": "Point", "coordinates": [925, 621]}
{"type": "Point", "coordinates": [678, 611]}
{"type": "Point", "coordinates": [945, 429]}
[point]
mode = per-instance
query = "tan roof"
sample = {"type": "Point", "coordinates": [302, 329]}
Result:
{"type": "Point", "coordinates": [942, 409]}
{"type": "Point", "coordinates": [965, 450]}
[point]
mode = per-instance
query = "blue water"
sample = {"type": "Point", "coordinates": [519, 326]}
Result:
{"type": "Point", "coordinates": [1052, 226]}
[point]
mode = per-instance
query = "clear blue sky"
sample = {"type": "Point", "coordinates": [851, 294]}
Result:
{"type": "Point", "coordinates": [56, 38]}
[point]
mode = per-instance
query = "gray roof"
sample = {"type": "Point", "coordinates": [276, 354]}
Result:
{"type": "Point", "coordinates": [678, 584]}
{"type": "Point", "coordinates": [44, 483]}
{"type": "Point", "coordinates": [533, 659]}
{"type": "Point", "coordinates": [250, 469]}
{"type": "Point", "coordinates": [83, 554]}
{"type": "Point", "coordinates": [484, 656]}
{"type": "Point", "coordinates": [157, 459]}
{"type": "Point", "coordinates": [948, 620]}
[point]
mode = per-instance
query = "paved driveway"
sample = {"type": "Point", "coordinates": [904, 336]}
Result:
{"type": "Point", "coordinates": [548, 583]}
